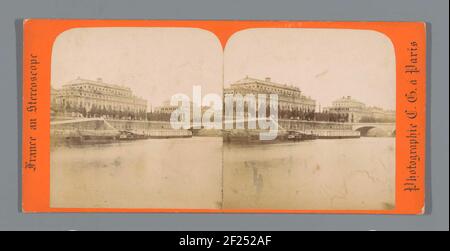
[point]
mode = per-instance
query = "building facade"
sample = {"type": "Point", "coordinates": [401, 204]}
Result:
{"type": "Point", "coordinates": [167, 109]}
{"type": "Point", "coordinates": [289, 97]}
{"type": "Point", "coordinates": [88, 95]}
{"type": "Point", "coordinates": [359, 112]}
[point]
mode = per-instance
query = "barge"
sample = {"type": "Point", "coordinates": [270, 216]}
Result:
{"type": "Point", "coordinates": [337, 134]}
{"type": "Point", "coordinates": [78, 137]}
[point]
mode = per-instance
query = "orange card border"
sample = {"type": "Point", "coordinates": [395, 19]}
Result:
{"type": "Point", "coordinates": [40, 34]}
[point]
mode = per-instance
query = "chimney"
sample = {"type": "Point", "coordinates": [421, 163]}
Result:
{"type": "Point", "coordinates": [268, 79]}
{"type": "Point", "coordinates": [99, 80]}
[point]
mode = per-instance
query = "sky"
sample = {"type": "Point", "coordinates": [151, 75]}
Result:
{"type": "Point", "coordinates": [325, 64]}
{"type": "Point", "coordinates": [157, 63]}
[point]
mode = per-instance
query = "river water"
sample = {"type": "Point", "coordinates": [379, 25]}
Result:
{"type": "Point", "coordinates": [190, 173]}
{"type": "Point", "coordinates": [320, 174]}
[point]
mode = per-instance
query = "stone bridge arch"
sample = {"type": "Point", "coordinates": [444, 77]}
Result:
{"type": "Point", "coordinates": [382, 130]}
{"type": "Point", "coordinates": [363, 130]}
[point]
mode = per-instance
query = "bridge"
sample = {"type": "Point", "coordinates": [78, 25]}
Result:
{"type": "Point", "coordinates": [383, 129]}
{"type": "Point", "coordinates": [364, 128]}
{"type": "Point", "coordinates": [101, 124]}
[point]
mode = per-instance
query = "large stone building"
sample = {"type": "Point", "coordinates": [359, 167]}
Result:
{"type": "Point", "coordinates": [167, 108]}
{"type": "Point", "coordinates": [359, 112]}
{"type": "Point", "coordinates": [289, 97]}
{"type": "Point", "coordinates": [87, 94]}
{"type": "Point", "coordinates": [379, 114]}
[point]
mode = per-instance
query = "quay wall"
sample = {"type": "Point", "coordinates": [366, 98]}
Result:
{"type": "Point", "coordinates": [303, 125]}
{"type": "Point", "coordinates": [138, 125]}
{"type": "Point", "coordinates": [100, 124]}
{"type": "Point", "coordinates": [145, 126]}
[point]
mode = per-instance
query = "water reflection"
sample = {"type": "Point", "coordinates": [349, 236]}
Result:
{"type": "Point", "coordinates": [187, 173]}
{"type": "Point", "coordinates": [154, 173]}
{"type": "Point", "coordinates": [320, 174]}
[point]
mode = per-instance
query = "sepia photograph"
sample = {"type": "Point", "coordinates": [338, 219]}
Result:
{"type": "Point", "coordinates": [335, 146]}
{"type": "Point", "coordinates": [112, 143]}
{"type": "Point", "coordinates": [281, 119]}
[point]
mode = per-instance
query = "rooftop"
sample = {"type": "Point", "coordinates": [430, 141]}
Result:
{"type": "Point", "coordinates": [348, 98]}
{"type": "Point", "coordinates": [98, 82]}
{"type": "Point", "coordinates": [267, 81]}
